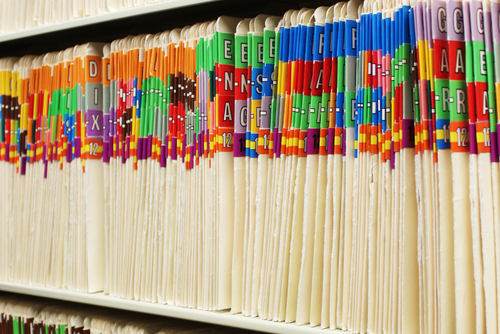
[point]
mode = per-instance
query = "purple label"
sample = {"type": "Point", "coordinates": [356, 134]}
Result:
{"type": "Point", "coordinates": [487, 32]}
{"type": "Point", "coordinates": [146, 147]}
{"type": "Point", "coordinates": [69, 150]}
{"type": "Point", "coordinates": [472, 138]}
{"type": "Point", "coordinates": [427, 19]}
{"type": "Point", "coordinates": [408, 140]}
{"type": "Point", "coordinates": [23, 165]}
{"type": "Point", "coordinates": [105, 152]}
{"type": "Point", "coordinates": [124, 153]}
{"type": "Point", "coordinates": [265, 113]}
{"type": "Point", "coordinates": [45, 168]}
{"type": "Point", "coordinates": [312, 141]}
{"type": "Point", "coordinates": [419, 20]}
{"type": "Point", "coordinates": [112, 122]}
{"type": "Point", "coordinates": [455, 22]}
{"type": "Point", "coordinates": [239, 143]}
{"type": "Point", "coordinates": [94, 123]}
{"type": "Point", "coordinates": [277, 143]}
{"type": "Point", "coordinates": [139, 148]}
{"type": "Point", "coordinates": [240, 115]}
{"type": "Point", "coordinates": [477, 20]}
{"type": "Point", "coordinates": [495, 24]}
{"type": "Point", "coordinates": [106, 127]}
{"type": "Point", "coordinates": [78, 145]}
{"type": "Point", "coordinates": [183, 150]}
{"type": "Point", "coordinates": [174, 148]}
{"type": "Point", "coordinates": [128, 147]}
{"type": "Point", "coordinates": [439, 19]}
{"type": "Point", "coordinates": [494, 146]}
{"type": "Point", "coordinates": [201, 142]}
{"type": "Point", "coordinates": [467, 21]}
{"type": "Point", "coordinates": [163, 156]}
{"type": "Point", "coordinates": [393, 164]}
{"type": "Point", "coordinates": [207, 139]}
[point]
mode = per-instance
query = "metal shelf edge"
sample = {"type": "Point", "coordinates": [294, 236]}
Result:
{"type": "Point", "coordinates": [224, 318]}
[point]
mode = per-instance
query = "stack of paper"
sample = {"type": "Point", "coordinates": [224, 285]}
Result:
{"type": "Point", "coordinates": [26, 14]}
{"type": "Point", "coordinates": [20, 314]}
{"type": "Point", "coordinates": [53, 170]}
{"type": "Point", "coordinates": [336, 166]}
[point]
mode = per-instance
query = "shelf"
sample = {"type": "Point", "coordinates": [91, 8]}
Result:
{"type": "Point", "coordinates": [106, 17]}
{"type": "Point", "coordinates": [148, 19]}
{"type": "Point", "coordinates": [222, 318]}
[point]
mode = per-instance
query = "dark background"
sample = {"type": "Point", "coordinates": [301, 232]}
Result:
{"type": "Point", "coordinates": [150, 23]}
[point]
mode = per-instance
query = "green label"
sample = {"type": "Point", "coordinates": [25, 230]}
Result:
{"type": "Point", "coordinates": [458, 101]}
{"type": "Point", "coordinates": [350, 109]}
{"type": "Point", "coordinates": [241, 51]}
{"type": "Point", "coordinates": [442, 93]}
{"type": "Point", "coordinates": [226, 48]}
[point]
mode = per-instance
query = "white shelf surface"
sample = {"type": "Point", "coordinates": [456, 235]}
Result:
{"type": "Point", "coordinates": [223, 318]}
{"type": "Point", "coordinates": [105, 17]}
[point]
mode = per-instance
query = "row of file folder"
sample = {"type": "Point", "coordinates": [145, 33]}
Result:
{"type": "Point", "coordinates": [336, 166]}
{"type": "Point", "coordinates": [29, 315]}
{"type": "Point", "coordinates": [19, 15]}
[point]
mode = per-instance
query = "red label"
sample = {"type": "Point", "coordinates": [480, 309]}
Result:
{"type": "Point", "coordinates": [240, 83]}
{"type": "Point", "coordinates": [226, 79]}
{"type": "Point", "coordinates": [482, 102]}
{"type": "Point", "coordinates": [457, 60]}
{"type": "Point", "coordinates": [226, 111]}
{"type": "Point", "coordinates": [441, 59]}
